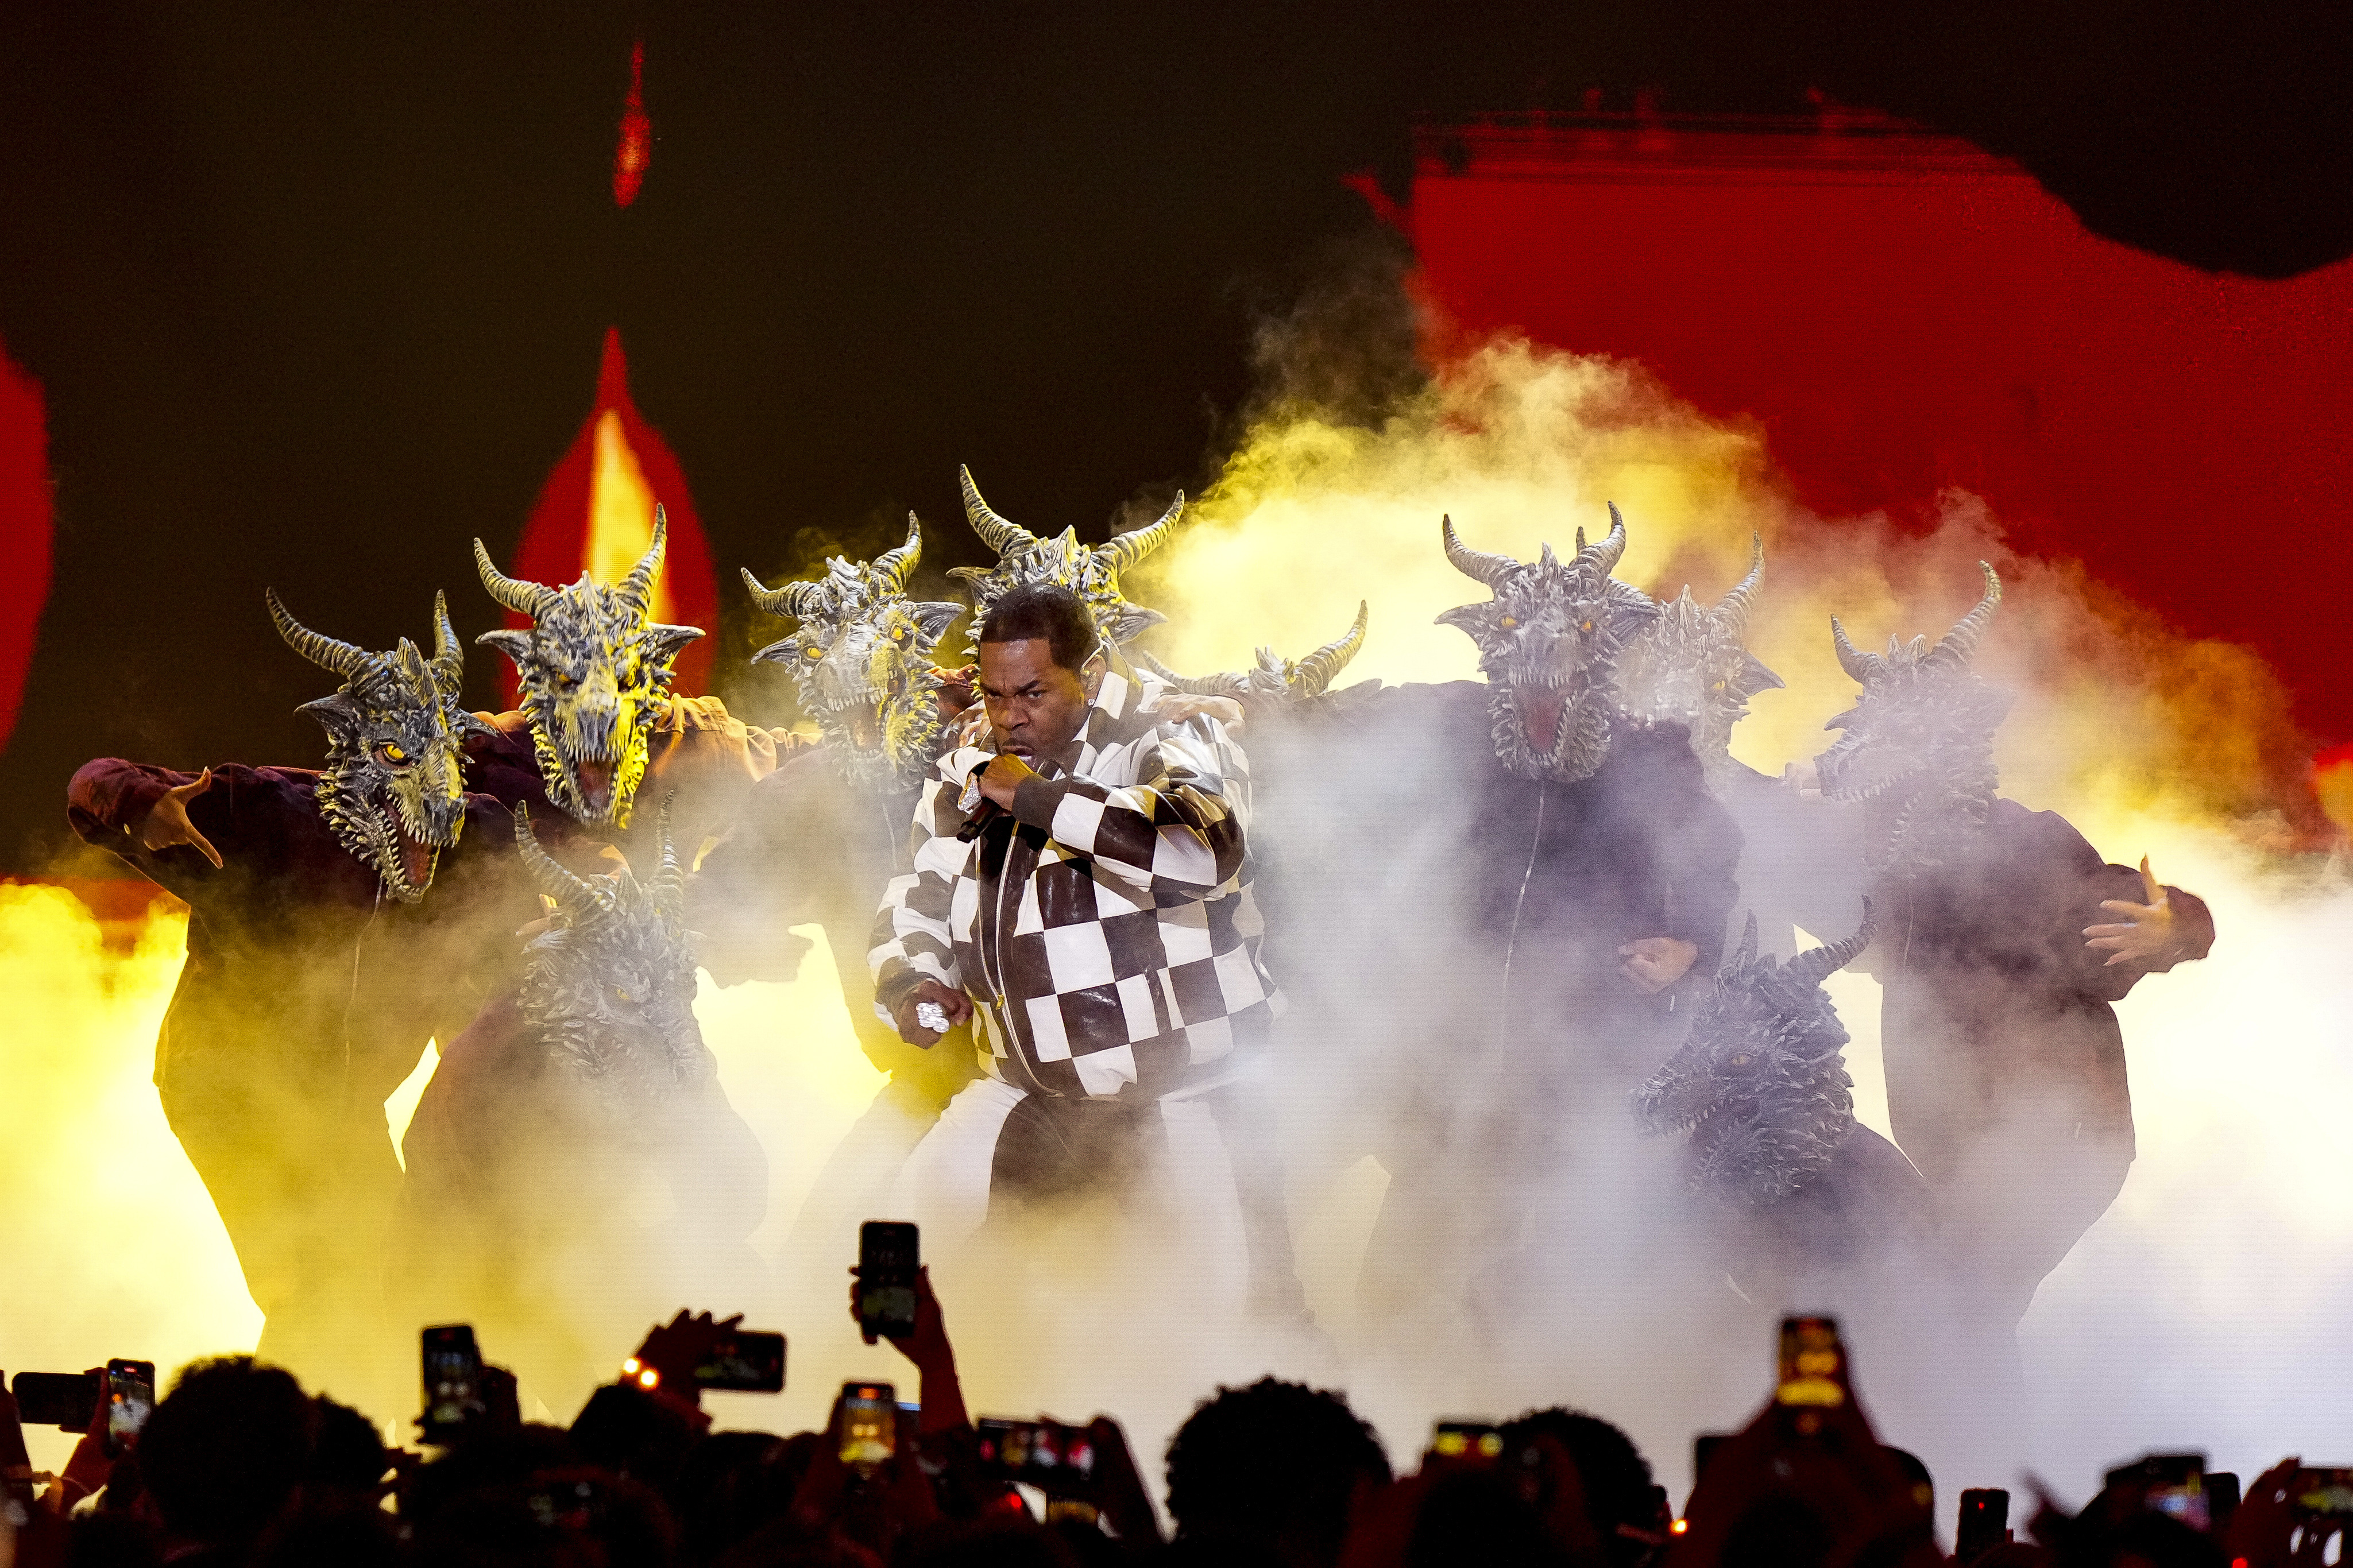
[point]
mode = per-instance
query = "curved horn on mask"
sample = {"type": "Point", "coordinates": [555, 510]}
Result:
{"type": "Point", "coordinates": [557, 882]}
{"type": "Point", "coordinates": [449, 653]}
{"type": "Point", "coordinates": [1817, 964]}
{"type": "Point", "coordinates": [1957, 646]}
{"type": "Point", "coordinates": [1733, 608]}
{"type": "Point", "coordinates": [346, 659]}
{"type": "Point", "coordinates": [1861, 665]}
{"type": "Point", "coordinates": [1224, 684]}
{"type": "Point", "coordinates": [1603, 557]}
{"type": "Point", "coordinates": [1312, 674]}
{"type": "Point", "coordinates": [1742, 956]}
{"type": "Point", "coordinates": [669, 884]}
{"type": "Point", "coordinates": [1001, 534]}
{"type": "Point", "coordinates": [637, 586]}
{"type": "Point", "coordinates": [893, 567]}
{"type": "Point", "coordinates": [794, 599]}
{"type": "Point", "coordinates": [1475, 563]}
{"type": "Point", "coordinates": [1122, 550]}
{"type": "Point", "coordinates": [530, 598]}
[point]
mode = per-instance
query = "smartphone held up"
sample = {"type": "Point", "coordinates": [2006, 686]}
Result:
{"type": "Point", "coordinates": [65, 1399]}
{"type": "Point", "coordinates": [454, 1393]}
{"type": "Point", "coordinates": [1469, 1442]}
{"type": "Point", "coordinates": [71, 1401]}
{"type": "Point", "coordinates": [888, 1263]}
{"type": "Point", "coordinates": [130, 1400]}
{"type": "Point", "coordinates": [868, 1423]}
{"type": "Point", "coordinates": [1057, 1459]}
{"type": "Point", "coordinates": [744, 1361]}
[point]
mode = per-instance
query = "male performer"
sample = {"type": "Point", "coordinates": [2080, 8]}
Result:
{"type": "Point", "coordinates": [2003, 943]}
{"type": "Point", "coordinates": [1081, 887]}
{"type": "Point", "coordinates": [318, 967]}
{"type": "Point", "coordinates": [1527, 890]}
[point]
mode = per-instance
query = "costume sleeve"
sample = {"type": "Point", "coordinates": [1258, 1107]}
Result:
{"type": "Point", "coordinates": [2071, 882]}
{"type": "Point", "coordinates": [2193, 931]}
{"type": "Point", "coordinates": [108, 796]}
{"type": "Point", "coordinates": [1177, 834]}
{"type": "Point", "coordinates": [914, 940]}
{"type": "Point", "coordinates": [501, 763]}
{"type": "Point", "coordinates": [240, 815]}
{"type": "Point", "coordinates": [708, 759]}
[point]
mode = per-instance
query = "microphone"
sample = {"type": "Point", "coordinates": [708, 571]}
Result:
{"type": "Point", "coordinates": [978, 809]}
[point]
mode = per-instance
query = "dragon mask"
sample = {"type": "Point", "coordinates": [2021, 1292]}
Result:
{"type": "Point", "coordinates": [1090, 572]}
{"type": "Point", "coordinates": [393, 789]}
{"type": "Point", "coordinates": [1687, 666]}
{"type": "Point", "coordinates": [861, 660]}
{"type": "Point", "coordinates": [596, 674]}
{"type": "Point", "coordinates": [1916, 749]}
{"type": "Point", "coordinates": [609, 986]}
{"type": "Point", "coordinates": [1274, 678]}
{"type": "Point", "coordinates": [1760, 1084]}
{"type": "Point", "coordinates": [1548, 645]}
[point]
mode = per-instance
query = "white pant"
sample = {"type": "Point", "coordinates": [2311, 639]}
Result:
{"type": "Point", "coordinates": [944, 1186]}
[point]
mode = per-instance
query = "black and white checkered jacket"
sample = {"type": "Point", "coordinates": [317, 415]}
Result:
{"type": "Point", "coordinates": [1105, 928]}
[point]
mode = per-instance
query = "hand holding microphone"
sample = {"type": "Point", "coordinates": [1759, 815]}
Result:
{"type": "Point", "coordinates": [988, 793]}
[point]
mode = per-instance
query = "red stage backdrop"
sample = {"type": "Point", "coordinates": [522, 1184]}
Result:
{"type": "Point", "coordinates": [1903, 313]}
{"type": "Point", "coordinates": [595, 515]}
{"type": "Point", "coordinates": [25, 530]}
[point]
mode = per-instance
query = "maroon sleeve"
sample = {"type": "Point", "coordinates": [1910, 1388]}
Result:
{"type": "Point", "coordinates": [2076, 872]}
{"type": "Point", "coordinates": [500, 762]}
{"type": "Point", "coordinates": [263, 821]}
{"type": "Point", "coordinates": [109, 796]}
{"type": "Point", "coordinates": [2193, 928]}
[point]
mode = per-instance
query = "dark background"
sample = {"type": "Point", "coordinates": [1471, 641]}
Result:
{"type": "Point", "coordinates": [314, 297]}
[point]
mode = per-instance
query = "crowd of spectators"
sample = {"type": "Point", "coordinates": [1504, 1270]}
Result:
{"type": "Point", "coordinates": [239, 1466]}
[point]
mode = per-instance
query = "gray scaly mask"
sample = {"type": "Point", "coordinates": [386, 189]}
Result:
{"type": "Point", "coordinates": [860, 661]}
{"type": "Point", "coordinates": [609, 986]}
{"type": "Point", "coordinates": [1273, 678]}
{"type": "Point", "coordinates": [596, 671]}
{"type": "Point", "coordinates": [1688, 666]}
{"type": "Point", "coordinates": [1090, 572]}
{"type": "Point", "coordinates": [1761, 1084]}
{"type": "Point", "coordinates": [1916, 750]}
{"type": "Point", "coordinates": [393, 789]}
{"type": "Point", "coordinates": [1548, 645]}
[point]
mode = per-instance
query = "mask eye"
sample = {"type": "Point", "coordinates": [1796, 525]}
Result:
{"type": "Point", "coordinates": [1741, 1060]}
{"type": "Point", "coordinates": [1585, 626]}
{"type": "Point", "coordinates": [1508, 622]}
{"type": "Point", "coordinates": [812, 653]}
{"type": "Point", "coordinates": [394, 754]}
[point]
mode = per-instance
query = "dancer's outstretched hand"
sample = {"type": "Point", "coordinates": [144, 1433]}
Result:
{"type": "Point", "coordinates": [166, 823]}
{"type": "Point", "coordinates": [2143, 933]}
{"type": "Point", "coordinates": [1655, 963]}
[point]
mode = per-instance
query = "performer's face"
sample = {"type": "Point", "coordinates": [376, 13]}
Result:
{"type": "Point", "coordinates": [1035, 706]}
